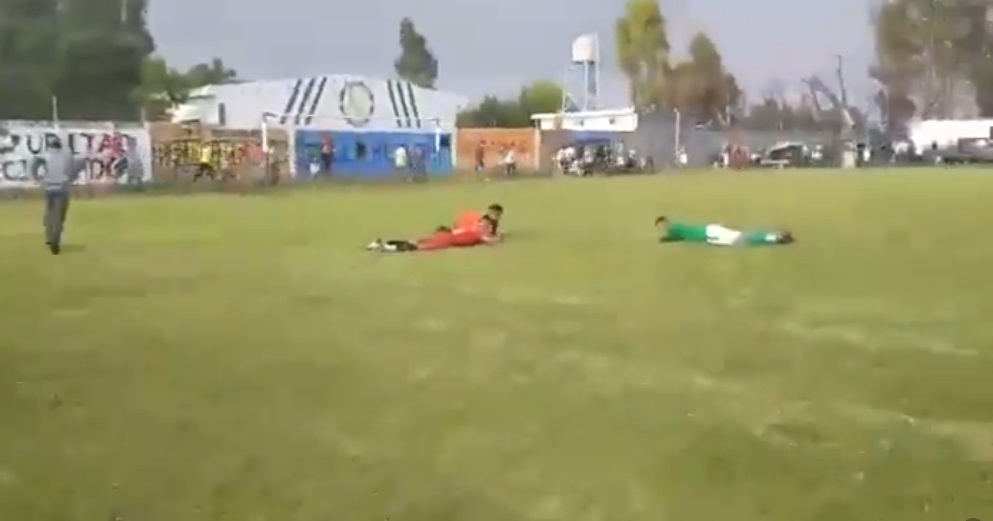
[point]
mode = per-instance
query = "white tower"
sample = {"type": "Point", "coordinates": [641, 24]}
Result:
{"type": "Point", "coordinates": [582, 87]}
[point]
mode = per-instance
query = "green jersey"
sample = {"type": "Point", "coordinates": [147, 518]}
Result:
{"type": "Point", "coordinates": [684, 232]}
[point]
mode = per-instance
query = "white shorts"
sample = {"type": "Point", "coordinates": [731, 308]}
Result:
{"type": "Point", "coordinates": [720, 235]}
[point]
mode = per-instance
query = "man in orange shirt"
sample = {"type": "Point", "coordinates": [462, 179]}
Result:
{"type": "Point", "coordinates": [466, 233]}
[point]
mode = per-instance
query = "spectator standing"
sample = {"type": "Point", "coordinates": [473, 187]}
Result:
{"type": "Point", "coordinates": [480, 154]}
{"type": "Point", "coordinates": [205, 166]}
{"type": "Point", "coordinates": [418, 164]}
{"type": "Point", "coordinates": [327, 155]}
{"type": "Point", "coordinates": [510, 161]}
{"type": "Point", "coordinates": [400, 163]}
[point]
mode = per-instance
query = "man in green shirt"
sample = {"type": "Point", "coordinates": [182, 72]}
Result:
{"type": "Point", "coordinates": [718, 234]}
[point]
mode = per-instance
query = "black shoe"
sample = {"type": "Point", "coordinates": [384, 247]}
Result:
{"type": "Point", "coordinates": [54, 248]}
{"type": "Point", "coordinates": [786, 238]}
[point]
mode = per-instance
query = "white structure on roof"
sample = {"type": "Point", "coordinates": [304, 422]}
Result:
{"type": "Point", "coordinates": [341, 102]}
{"type": "Point", "coordinates": [581, 90]}
{"type": "Point", "coordinates": [612, 120]}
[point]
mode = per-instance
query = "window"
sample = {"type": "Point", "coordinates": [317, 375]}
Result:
{"type": "Point", "coordinates": [360, 150]}
{"type": "Point", "coordinates": [446, 141]}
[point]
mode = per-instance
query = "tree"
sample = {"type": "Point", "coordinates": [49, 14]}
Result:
{"type": "Point", "coordinates": [643, 51]}
{"type": "Point", "coordinates": [416, 63]}
{"type": "Point", "coordinates": [769, 114]}
{"type": "Point", "coordinates": [86, 53]}
{"type": "Point", "coordinates": [540, 97]}
{"type": "Point", "coordinates": [214, 72]}
{"type": "Point", "coordinates": [976, 44]}
{"type": "Point", "coordinates": [702, 87]}
{"type": "Point", "coordinates": [925, 51]}
{"type": "Point", "coordinates": [981, 76]}
{"type": "Point", "coordinates": [898, 63]}
{"type": "Point", "coordinates": [163, 87]}
{"type": "Point", "coordinates": [28, 54]}
{"type": "Point", "coordinates": [709, 67]}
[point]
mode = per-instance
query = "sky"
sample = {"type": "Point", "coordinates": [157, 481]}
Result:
{"type": "Point", "coordinates": [496, 46]}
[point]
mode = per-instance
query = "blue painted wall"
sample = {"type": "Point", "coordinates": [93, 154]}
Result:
{"type": "Point", "coordinates": [378, 147]}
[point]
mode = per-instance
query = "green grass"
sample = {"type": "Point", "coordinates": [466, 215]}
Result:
{"type": "Point", "coordinates": [241, 358]}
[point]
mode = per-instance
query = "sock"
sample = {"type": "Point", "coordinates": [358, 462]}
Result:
{"type": "Point", "coordinates": [759, 238]}
{"type": "Point", "coordinates": [399, 246]}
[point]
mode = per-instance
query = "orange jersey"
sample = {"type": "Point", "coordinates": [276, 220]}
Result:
{"type": "Point", "coordinates": [467, 237]}
{"type": "Point", "coordinates": [467, 219]}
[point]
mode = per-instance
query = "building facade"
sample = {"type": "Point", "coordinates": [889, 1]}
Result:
{"type": "Point", "coordinates": [365, 118]}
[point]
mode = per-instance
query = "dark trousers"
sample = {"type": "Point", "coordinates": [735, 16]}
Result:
{"type": "Point", "coordinates": [56, 209]}
{"type": "Point", "coordinates": [327, 163]}
{"type": "Point", "coordinates": [205, 169]}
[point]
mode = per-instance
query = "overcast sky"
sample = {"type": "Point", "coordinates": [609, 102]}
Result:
{"type": "Point", "coordinates": [486, 46]}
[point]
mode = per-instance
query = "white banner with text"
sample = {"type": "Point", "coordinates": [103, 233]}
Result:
{"type": "Point", "coordinates": [114, 153]}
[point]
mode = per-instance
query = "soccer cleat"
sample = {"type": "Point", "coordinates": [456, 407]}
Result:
{"type": "Point", "coordinates": [786, 238]}
{"type": "Point", "coordinates": [376, 245]}
{"type": "Point", "coordinates": [54, 248]}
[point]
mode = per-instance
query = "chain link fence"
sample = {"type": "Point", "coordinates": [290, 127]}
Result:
{"type": "Point", "coordinates": [663, 135]}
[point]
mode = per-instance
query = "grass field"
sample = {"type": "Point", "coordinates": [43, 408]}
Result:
{"type": "Point", "coordinates": [241, 358]}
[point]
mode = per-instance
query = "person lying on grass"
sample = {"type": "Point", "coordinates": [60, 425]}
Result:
{"type": "Point", "coordinates": [471, 229]}
{"type": "Point", "coordinates": [718, 234]}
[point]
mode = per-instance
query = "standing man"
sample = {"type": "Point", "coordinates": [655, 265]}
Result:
{"type": "Point", "coordinates": [327, 154]}
{"type": "Point", "coordinates": [418, 164]}
{"type": "Point", "coordinates": [61, 169]}
{"type": "Point", "coordinates": [510, 161]}
{"type": "Point", "coordinates": [480, 156]}
{"type": "Point", "coordinates": [400, 162]}
{"type": "Point", "coordinates": [205, 167]}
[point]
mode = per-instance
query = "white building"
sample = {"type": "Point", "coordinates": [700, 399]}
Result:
{"type": "Point", "coordinates": [612, 120]}
{"type": "Point", "coordinates": [945, 134]}
{"type": "Point", "coordinates": [340, 102]}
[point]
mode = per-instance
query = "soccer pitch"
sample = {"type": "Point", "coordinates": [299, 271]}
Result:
{"type": "Point", "coordinates": [242, 358]}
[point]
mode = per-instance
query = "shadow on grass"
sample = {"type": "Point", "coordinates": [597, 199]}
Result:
{"type": "Point", "coordinates": [73, 249]}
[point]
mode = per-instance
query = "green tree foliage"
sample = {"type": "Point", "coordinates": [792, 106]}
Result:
{"type": "Point", "coordinates": [643, 51]}
{"type": "Point", "coordinates": [163, 86]}
{"type": "Point", "coordinates": [416, 63]}
{"type": "Point", "coordinates": [93, 56]}
{"type": "Point", "coordinates": [87, 53]}
{"type": "Point", "coordinates": [926, 50]}
{"type": "Point", "coordinates": [540, 97]}
{"type": "Point", "coordinates": [702, 87]}
{"type": "Point", "coordinates": [214, 72]}
{"type": "Point", "coordinates": [898, 63]}
{"type": "Point", "coordinates": [976, 44]}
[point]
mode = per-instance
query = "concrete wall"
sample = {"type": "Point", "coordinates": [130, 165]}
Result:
{"type": "Point", "coordinates": [237, 153]}
{"type": "Point", "coordinates": [170, 152]}
{"type": "Point", "coordinates": [494, 143]}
